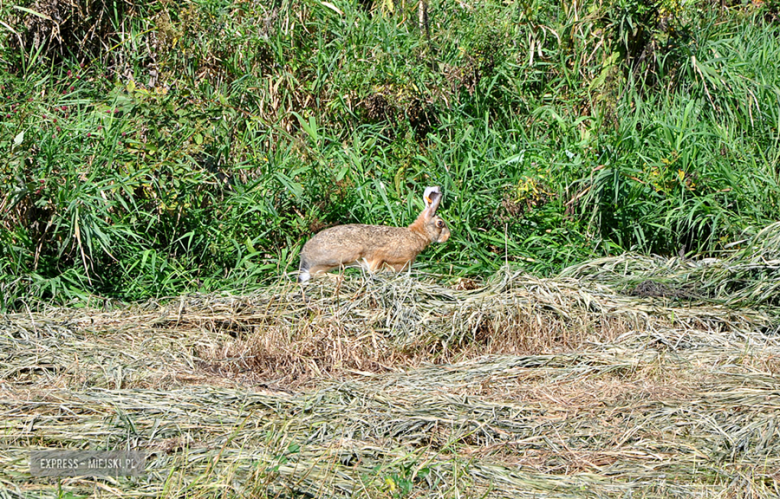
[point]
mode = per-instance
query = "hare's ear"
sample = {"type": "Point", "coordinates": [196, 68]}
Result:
{"type": "Point", "coordinates": [427, 195]}
{"type": "Point", "coordinates": [435, 199]}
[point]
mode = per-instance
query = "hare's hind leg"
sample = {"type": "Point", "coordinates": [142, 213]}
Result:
{"type": "Point", "coordinates": [307, 271]}
{"type": "Point", "coordinates": [321, 269]}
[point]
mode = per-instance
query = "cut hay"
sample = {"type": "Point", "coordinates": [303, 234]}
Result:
{"type": "Point", "coordinates": [745, 277]}
{"type": "Point", "coordinates": [397, 386]}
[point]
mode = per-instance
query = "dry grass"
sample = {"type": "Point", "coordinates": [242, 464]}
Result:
{"type": "Point", "coordinates": [396, 386]}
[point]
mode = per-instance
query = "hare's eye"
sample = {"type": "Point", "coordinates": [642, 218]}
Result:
{"type": "Point", "coordinates": [440, 224]}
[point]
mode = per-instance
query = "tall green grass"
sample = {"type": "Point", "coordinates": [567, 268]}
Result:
{"type": "Point", "coordinates": [196, 146]}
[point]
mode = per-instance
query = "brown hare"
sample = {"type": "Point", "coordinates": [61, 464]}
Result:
{"type": "Point", "coordinates": [374, 247]}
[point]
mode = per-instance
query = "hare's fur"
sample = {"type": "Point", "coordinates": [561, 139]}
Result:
{"type": "Point", "coordinates": [374, 247]}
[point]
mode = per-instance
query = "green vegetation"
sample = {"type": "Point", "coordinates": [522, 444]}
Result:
{"type": "Point", "coordinates": [150, 149]}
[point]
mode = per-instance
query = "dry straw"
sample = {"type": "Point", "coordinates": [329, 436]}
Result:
{"type": "Point", "coordinates": [624, 377]}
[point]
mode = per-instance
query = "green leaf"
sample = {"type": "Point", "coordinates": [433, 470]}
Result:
{"type": "Point", "coordinates": [341, 173]}
{"type": "Point", "coordinates": [30, 11]}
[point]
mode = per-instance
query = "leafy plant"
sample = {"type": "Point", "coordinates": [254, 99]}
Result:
{"type": "Point", "coordinates": [197, 148]}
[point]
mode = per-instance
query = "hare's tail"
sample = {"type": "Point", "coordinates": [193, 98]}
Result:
{"type": "Point", "coordinates": [303, 271]}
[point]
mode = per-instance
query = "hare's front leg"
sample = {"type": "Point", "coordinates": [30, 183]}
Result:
{"type": "Point", "coordinates": [400, 267]}
{"type": "Point", "coordinates": [371, 265]}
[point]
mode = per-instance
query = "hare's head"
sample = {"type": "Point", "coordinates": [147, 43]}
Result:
{"type": "Point", "coordinates": [430, 223]}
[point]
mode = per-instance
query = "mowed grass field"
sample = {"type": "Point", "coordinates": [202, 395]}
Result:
{"type": "Point", "coordinates": [616, 379]}
{"type": "Point", "coordinates": [602, 323]}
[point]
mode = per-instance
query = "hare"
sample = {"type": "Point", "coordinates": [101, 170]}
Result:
{"type": "Point", "coordinates": [374, 247]}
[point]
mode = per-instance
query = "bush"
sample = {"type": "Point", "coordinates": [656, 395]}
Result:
{"type": "Point", "coordinates": [153, 149]}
